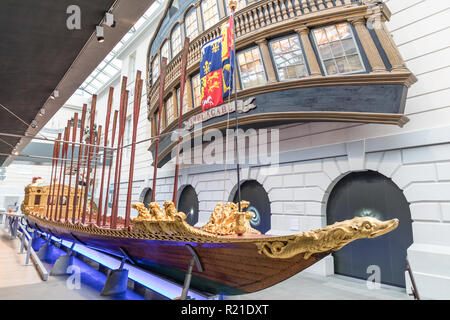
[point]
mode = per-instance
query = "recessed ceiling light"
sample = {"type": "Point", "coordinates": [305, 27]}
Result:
{"type": "Point", "coordinates": [109, 20]}
{"type": "Point", "coordinates": [100, 33]}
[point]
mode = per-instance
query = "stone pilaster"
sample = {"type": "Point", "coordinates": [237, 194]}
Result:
{"type": "Point", "coordinates": [310, 55]}
{"type": "Point", "coordinates": [369, 46]}
{"type": "Point", "coordinates": [265, 53]}
{"type": "Point", "coordinates": [378, 24]}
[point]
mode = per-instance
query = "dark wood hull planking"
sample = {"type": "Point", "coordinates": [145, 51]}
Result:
{"type": "Point", "coordinates": [229, 268]}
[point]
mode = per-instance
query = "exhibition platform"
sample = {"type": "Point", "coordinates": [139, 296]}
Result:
{"type": "Point", "coordinates": [21, 281]}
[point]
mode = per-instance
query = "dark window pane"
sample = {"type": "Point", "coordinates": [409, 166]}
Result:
{"type": "Point", "coordinates": [330, 66]}
{"type": "Point", "coordinates": [349, 46]}
{"type": "Point", "coordinates": [337, 49]}
{"type": "Point", "coordinates": [355, 62]}
{"type": "Point", "coordinates": [325, 52]}
{"type": "Point", "coordinates": [342, 64]}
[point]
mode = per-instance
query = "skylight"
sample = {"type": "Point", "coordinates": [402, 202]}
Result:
{"type": "Point", "coordinates": [111, 66]}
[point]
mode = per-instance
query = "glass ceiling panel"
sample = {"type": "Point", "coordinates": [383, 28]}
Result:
{"type": "Point", "coordinates": [111, 66]}
{"type": "Point", "coordinates": [116, 63]}
{"type": "Point", "coordinates": [110, 70]}
{"type": "Point", "coordinates": [139, 23]}
{"type": "Point", "coordinates": [96, 83]}
{"type": "Point", "coordinates": [118, 46]}
{"type": "Point", "coordinates": [127, 36]}
{"type": "Point", "coordinates": [103, 78]}
{"type": "Point", "coordinates": [91, 88]}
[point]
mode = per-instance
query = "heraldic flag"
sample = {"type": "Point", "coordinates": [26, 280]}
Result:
{"type": "Point", "coordinates": [216, 68]}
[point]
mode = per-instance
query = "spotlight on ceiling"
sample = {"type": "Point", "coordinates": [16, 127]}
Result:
{"type": "Point", "coordinates": [34, 124]}
{"type": "Point", "coordinates": [109, 20]}
{"type": "Point", "coordinates": [42, 112]}
{"type": "Point", "coordinates": [54, 95]}
{"type": "Point", "coordinates": [99, 32]}
{"type": "Point", "coordinates": [15, 153]}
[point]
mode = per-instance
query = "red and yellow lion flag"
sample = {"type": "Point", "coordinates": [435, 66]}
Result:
{"type": "Point", "coordinates": [216, 68]}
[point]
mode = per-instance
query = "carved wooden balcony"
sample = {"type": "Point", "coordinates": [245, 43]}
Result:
{"type": "Point", "coordinates": [377, 95]}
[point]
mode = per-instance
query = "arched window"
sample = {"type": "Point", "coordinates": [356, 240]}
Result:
{"type": "Point", "coordinates": [155, 69]}
{"type": "Point", "coordinates": [370, 194]}
{"type": "Point", "coordinates": [146, 197]}
{"type": "Point", "coordinates": [188, 203]}
{"type": "Point", "coordinates": [191, 24]}
{"type": "Point", "coordinates": [255, 193]}
{"type": "Point", "coordinates": [176, 40]}
{"type": "Point", "coordinates": [165, 52]}
{"type": "Point", "coordinates": [210, 13]}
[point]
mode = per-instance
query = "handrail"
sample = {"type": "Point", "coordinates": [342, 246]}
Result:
{"type": "Point", "coordinates": [415, 292]}
{"type": "Point", "coordinates": [26, 242]}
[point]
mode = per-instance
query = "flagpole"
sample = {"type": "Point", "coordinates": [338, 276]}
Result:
{"type": "Point", "coordinates": [184, 57]}
{"type": "Point", "coordinates": [232, 5]}
{"type": "Point", "coordinates": [162, 82]}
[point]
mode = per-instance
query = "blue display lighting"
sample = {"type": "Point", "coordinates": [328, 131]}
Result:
{"type": "Point", "coordinates": [164, 287]}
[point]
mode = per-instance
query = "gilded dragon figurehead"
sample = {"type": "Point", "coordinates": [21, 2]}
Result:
{"type": "Point", "coordinates": [330, 238]}
{"type": "Point", "coordinates": [368, 227]}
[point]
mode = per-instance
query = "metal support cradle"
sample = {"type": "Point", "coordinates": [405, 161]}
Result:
{"type": "Point", "coordinates": [62, 264]}
{"type": "Point", "coordinates": [187, 280]}
{"type": "Point", "coordinates": [45, 249]}
{"type": "Point", "coordinates": [26, 241]}
{"type": "Point", "coordinates": [117, 280]}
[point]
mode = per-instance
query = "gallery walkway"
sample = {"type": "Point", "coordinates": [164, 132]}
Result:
{"type": "Point", "coordinates": [21, 282]}
{"type": "Point", "coordinates": [309, 286]}
{"type": "Point", "coordinates": [13, 271]}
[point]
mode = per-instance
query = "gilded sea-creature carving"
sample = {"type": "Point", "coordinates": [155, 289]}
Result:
{"type": "Point", "coordinates": [172, 213]}
{"type": "Point", "coordinates": [330, 238]}
{"type": "Point", "coordinates": [227, 220]}
{"type": "Point", "coordinates": [155, 213]}
{"type": "Point", "coordinates": [143, 213]}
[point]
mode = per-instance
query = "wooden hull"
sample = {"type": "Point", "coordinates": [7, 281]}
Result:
{"type": "Point", "coordinates": [230, 268]}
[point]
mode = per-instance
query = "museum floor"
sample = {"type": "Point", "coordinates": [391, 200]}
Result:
{"type": "Point", "coordinates": [18, 281]}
